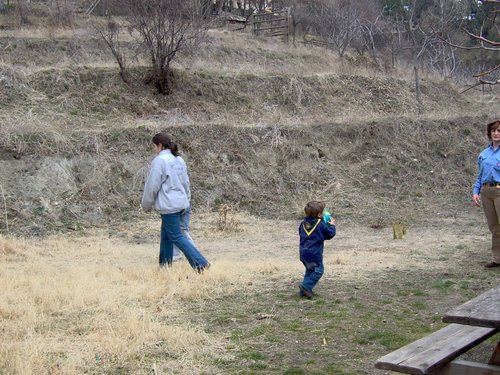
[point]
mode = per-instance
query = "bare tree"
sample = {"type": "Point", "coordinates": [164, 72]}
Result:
{"type": "Point", "coordinates": [166, 27]}
{"type": "Point", "coordinates": [491, 43]}
{"type": "Point", "coordinates": [442, 58]}
{"type": "Point", "coordinates": [417, 23]}
{"type": "Point", "coordinates": [485, 39]}
{"type": "Point", "coordinates": [301, 17]}
{"type": "Point", "coordinates": [370, 34]}
{"type": "Point", "coordinates": [61, 12]}
{"type": "Point", "coordinates": [337, 22]}
{"type": "Point", "coordinates": [370, 31]}
{"type": "Point", "coordinates": [23, 12]}
{"type": "Point", "coordinates": [244, 6]}
{"type": "Point", "coordinates": [418, 44]}
{"type": "Point", "coordinates": [443, 19]}
{"type": "Point", "coordinates": [109, 33]}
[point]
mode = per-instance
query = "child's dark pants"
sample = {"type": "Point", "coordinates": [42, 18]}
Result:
{"type": "Point", "coordinates": [314, 271]}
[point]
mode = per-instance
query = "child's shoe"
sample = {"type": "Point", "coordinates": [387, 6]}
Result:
{"type": "Point", "coordinates": [305, 292]}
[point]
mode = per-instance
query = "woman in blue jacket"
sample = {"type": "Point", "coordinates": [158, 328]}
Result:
{"type": "Point", "coordinates": [313, 231]}
{"type": "Point", "coordinates": [165, 191]}
{"type": "Point", "coordinates": [486, 190]}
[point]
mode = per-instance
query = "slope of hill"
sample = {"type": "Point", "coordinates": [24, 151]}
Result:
{"type": "Point", "coordinates": [264, 126]}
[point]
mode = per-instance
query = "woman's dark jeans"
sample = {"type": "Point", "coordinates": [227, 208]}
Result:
{"type": "Point", "coordinates": [171, 235]}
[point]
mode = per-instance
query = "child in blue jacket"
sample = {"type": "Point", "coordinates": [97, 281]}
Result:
{"type": "Point", "coordinates": [313, 231]}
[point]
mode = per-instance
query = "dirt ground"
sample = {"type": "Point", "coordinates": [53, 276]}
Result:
{"type": "Point", "coordinates": [71, 298]}
{"type": "Point", "coordinates": [442, 264]}
{"type": "Point", "coordinates": [361, 263]}
{"type": "Point", "coordinates": [355, 253]}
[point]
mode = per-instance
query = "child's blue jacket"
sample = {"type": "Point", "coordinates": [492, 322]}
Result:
{"type": "Point", "coordinates": [313, 232]}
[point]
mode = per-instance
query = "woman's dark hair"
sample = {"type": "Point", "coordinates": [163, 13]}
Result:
{"type": "Point", "coordinates": [314, 209]}
{"type": "Point", "coordinates": [489, 127]}
{"type": "Point", "coordinates": [164, 140]}
{"type": "Point", "coordinates": [174, 149]}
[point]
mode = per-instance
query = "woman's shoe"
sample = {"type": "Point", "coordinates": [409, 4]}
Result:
{"type": "Point", "coordinates": [201, 269]}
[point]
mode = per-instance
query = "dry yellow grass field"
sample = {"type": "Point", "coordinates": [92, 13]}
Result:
{"type": "Point", "coordinates": [98, 303]}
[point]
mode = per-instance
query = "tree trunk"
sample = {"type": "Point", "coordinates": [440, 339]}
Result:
{"type": "Point", "coordinates": [418, 93]}
{"type": "Point", "coordinates": [3, 9]}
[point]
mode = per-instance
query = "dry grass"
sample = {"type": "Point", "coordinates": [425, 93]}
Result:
{"type": "Point", "coordinates": [70, 304]}
{"type": "Point", "coordinates": [97, 303]}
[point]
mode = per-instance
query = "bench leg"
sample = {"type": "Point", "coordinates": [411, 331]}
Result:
{"type": "Point", "coordinates": [461, 367]}
{"type": "Point", "coordinates": [495, 357]}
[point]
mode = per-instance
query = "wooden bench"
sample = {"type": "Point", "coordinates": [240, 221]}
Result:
{"type": "Point", "coordinates": [433, 353]}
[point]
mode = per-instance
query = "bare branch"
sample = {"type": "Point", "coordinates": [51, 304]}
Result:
{"type": "Point", "coordinates": [482, 39]}
{"type": "Point", "coordinates": [439, 36]}
{"type": "Point", "coordinates": [487, 72]}
{"type": "Point", "coordinates": [109, 34]}
{"type": "Point", "coordinates": [484, 82]}
{"type": "Point", "coordinates": [483, 43]}
{"type": "Point", "coordinates": [471, 87]}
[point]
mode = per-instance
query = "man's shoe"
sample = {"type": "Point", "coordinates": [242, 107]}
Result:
{"type": "Point", "coordinates": [492, 265]}
{"type": "Point", "coordinates": [305, 292]}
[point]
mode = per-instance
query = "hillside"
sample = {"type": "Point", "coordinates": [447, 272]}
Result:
{"type": "Point", "coordinates": [264, 127]}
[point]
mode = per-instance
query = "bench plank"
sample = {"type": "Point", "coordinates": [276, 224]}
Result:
{"type": "Point", "coordinates": [423, 356]}
{"type": "Point", "coordinates": [483, 311]}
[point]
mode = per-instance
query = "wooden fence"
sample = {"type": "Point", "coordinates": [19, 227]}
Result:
{"type": "Point", "coordinates": [272, 24]}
